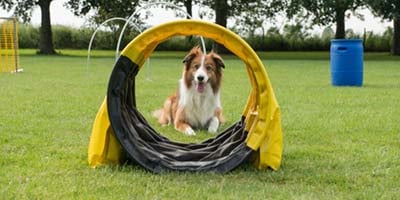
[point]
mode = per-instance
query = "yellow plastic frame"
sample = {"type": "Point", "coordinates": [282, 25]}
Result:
{"type": "Point", "coordinates": [263, 121]}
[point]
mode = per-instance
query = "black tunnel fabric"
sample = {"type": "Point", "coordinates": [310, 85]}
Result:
{"type": "Point", "coordinates": [148, 148]}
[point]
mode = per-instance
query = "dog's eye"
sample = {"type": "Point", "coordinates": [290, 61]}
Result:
{"type": "Point", "coordinates": [209, 68]}
{"type": "Point", "coordinates": [196, 66]}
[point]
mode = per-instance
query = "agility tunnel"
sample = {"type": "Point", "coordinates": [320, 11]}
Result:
{"type": "Point", "coordinates": [120, 132]}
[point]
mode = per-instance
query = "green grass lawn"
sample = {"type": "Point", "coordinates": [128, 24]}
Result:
{"type": "Point", "coordinates": [339, 142]}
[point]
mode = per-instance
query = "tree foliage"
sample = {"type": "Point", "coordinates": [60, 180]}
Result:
{"type": "Point", "coordinates": [21, 8]}
{"type": "Point", "coordinates": [187, 4]}
{"type": "Point", "coordinates": [24, 9]}
{"type": "Point", "coordinates": [103, 9]}
{"type": "Point", "coordinates": [387, 9]}
{"type": "Point", "coordinates": [390, 10]}
{"type": "Point", "coordinates": [323, 12]}
{"type": "Point", "coordinates": [248, 15]}
{"type": "Point", "coordinates": [252, 15]}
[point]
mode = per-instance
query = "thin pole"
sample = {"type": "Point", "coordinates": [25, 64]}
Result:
{"type": "Point", "coordinates": [15, 26]}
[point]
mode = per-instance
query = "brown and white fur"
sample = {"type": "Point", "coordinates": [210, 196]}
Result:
{"type": "Point", "coordinates": [196, 104]}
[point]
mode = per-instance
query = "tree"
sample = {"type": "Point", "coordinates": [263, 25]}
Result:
{"type": "Point", "coordinates": [322, 12]}
{"type": "Point", "coordinates": [24, 10]}
{"type": "Point", "coordinates": [188, 4]}
{"type": "Point", "coordinates": [104, 9]}
{"type": "Point", "coordinates": [390, 10]}
{"type": "Point", "coordinates": [252, 15]}
{"type": "Point", "coordinates": [248, 14]}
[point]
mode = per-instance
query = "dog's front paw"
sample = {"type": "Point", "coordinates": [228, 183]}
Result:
{"type": "Point", "coordinates": [213, 127]}
{"type": "Point", "coordinates": [189, 131]}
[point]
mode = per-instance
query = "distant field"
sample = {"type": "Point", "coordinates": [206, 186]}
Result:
{"type": "Point", "coordinates": [339, 142]}
{"type": "Point", "coordinates": [289, 55]}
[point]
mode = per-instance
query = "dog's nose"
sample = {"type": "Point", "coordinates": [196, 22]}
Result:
{"type": "Point", "coordinates": [200, 78]}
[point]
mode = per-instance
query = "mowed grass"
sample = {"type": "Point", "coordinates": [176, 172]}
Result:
{"type": "Point", "coordinates": [339, 142]}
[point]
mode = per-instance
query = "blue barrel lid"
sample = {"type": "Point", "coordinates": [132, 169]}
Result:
{"type": "Point", "coordinates": [346, 40]}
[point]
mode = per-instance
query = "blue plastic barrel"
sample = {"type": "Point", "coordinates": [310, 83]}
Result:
{"type": "Point", "coordinates": [347, 62]}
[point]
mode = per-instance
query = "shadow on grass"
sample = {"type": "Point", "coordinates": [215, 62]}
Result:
{"type": "Point", "coordinates": [381, 86]}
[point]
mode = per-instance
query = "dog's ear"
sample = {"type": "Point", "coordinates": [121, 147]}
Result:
{"type": "Point", "coordinates": [217, 59]}
{"type": "Point", "coordinates": [188, 58]}
{"type": "Point", "coordinates": [192, 54]}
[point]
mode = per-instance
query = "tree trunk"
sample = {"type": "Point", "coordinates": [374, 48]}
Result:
{"type": "Point", "coordinates": [46, 38]}
{"type": "Point", "coordinates": [188, 5]}
{"type": "Point", "coordinates": [396, 36]}
{"type": "Point", "coordinates": [340, 23]}
{"type": "Point", "coordinates": [221, 18]}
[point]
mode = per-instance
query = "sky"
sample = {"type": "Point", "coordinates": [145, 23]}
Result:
{"type": "Point", "coordinates": [62, 16]}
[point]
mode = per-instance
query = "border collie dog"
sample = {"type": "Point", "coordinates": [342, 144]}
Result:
{"type": "Point", "coordinates": [196, 104]}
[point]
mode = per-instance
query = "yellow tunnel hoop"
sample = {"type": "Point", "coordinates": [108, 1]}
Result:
{"type": "Point", "coordinates": [139, 49]}
{"type": "Point", "coordinates": [261, 113]}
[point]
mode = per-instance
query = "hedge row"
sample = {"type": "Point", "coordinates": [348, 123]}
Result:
{"type": "Point", "coordinates": [72, 38]}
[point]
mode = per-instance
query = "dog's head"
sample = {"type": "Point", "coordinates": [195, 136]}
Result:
{"type": "Point", "coordinates": [200, 70]}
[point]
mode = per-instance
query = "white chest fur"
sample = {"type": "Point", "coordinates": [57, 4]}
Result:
{"type": "Point", "coordinates": [198, 108]}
